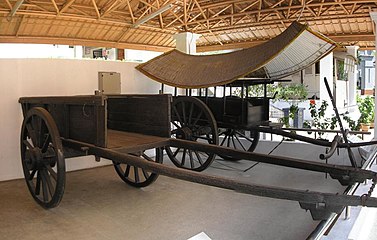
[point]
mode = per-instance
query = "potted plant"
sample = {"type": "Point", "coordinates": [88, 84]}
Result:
{"type": "Point", "coordinates": [366, 109]}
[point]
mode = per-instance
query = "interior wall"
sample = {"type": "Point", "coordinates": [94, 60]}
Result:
{"type": "Point", "coordinates": [327, 68]}
{"type": "Point", "coordinates": [52, 77]}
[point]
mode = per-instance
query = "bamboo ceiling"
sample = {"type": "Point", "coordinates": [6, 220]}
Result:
{"type": "Point", "coordinates": [223, 24]}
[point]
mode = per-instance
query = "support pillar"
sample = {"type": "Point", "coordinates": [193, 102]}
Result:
{"type": "Point", "coordinates": [186, 42]}
{"type": "Point", "coordinates": [352, 79]}
{"type": "Point", "coordinates": [373, 15]}
{"type": "Point", "coordinates": [326, 70]}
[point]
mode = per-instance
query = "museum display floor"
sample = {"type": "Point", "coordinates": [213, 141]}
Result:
{"type": "Point", "coordinates": [98, 205]}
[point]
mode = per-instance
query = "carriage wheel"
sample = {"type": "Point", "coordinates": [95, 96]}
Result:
{"type": "Point", "coordinates": [138, 177]}
{"type": "Point", "coordinates": [240, 140]}
{"type": "Point", "coordinates": [42, 158]}
{"type": "Point", "coordinates": [192, 120]}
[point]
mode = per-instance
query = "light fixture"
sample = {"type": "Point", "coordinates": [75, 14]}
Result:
{"type": "Point", "coordinates": [152, 15]}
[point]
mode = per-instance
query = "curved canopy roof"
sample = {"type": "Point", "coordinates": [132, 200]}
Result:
{"type": "Point", "coordinates": [293, 50]}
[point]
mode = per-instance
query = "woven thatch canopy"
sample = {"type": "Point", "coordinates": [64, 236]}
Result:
{"type": "Point", "coordinates": [293, 50]}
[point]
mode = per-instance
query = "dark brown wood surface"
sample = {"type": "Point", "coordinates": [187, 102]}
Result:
{"type": "Point", "coordinates": [77, 117]}
{"type": "Point", "coordinates": [146, 114]}
{"type": "Point", "coordinates": [132, 142]}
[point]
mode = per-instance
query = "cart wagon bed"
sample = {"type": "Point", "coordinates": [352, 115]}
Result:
{"type": "Point", "coordinates": [132, 142]}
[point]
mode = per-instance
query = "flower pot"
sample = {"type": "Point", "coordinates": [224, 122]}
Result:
{"type": "Point", "coordinates": [364, 127]}
{"type": "Point", "coordinates": [371, 125]}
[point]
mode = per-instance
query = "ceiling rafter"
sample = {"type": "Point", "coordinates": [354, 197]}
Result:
{"type": "Point", "coordinates": [66, 6]}
{"type": "Point", "coordinates": [220, 22]}
{"type": "Point", "coordinates": [55, 6]}
{"type": "Point", "coordinates": [96, 9]}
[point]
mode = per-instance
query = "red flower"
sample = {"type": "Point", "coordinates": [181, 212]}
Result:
{"type": "Point", "coordinates": [312, 102]}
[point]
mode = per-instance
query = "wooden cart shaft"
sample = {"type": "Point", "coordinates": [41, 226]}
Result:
{"type": "Point", "coordinates": [321, 205]}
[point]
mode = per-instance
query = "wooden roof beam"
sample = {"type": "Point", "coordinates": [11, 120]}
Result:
{"type": "Point", "coordinates": [66, 5]}
{"type": "Point", "coordinates": [82, 42]}
{"type": "Point", "coordinates": [96, 9]}
{"type": "Point", "coordinates": [112, 7]}
{"type": "Point", "coordinates": [55, 6]}
{"type": "Point", "coordinates": [130, 10]}
{"type": "Point", "coordinates": [15, 8]}
{"type": "Point", "coordinates": [8, 3]}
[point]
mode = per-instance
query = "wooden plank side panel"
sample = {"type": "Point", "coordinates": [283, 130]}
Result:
{"type": "Point", "coordinates": [145, 114]}
{"type": "Point", "coordinates": [82, 123]}
{"type": "Point", "coordinates": [81, 118]}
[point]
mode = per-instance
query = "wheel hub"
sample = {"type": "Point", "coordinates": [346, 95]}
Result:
{"type": "Point", "coordinates": [38, 159]}
{"type": "Point", "coordinates": [185, 133]}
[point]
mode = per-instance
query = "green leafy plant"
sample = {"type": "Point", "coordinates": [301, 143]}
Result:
{"type": "Point", "coordinates": [352, 124]}
{"type": "Point", "coordinates": [256, 90]}
{"type": "Point", "coordinates": [319, 120]}
{"type": "Point", "coordinates": [366, 109]}
{"type": "Point", "coordinates": [291, 91]}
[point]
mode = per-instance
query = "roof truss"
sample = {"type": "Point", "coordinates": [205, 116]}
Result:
{"type": "Point", "coordinates": [223, 24]}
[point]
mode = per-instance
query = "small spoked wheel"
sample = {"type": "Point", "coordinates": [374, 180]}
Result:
{"type": "Point", "coordinates": [138, 177]}
{"type": "Point", "coordinates": [244, 140]}
{"type": "Point", "coordinates": [42, 157]}
{"type": "Point", "coordinates": [192, 120]}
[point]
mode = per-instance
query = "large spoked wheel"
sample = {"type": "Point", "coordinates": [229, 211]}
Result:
{"type": "Point", "coordinates": [238, 139]}
{"type": "Point", "coordinates": [42, 158]}
{"type": "Point", "coordinates": [192, 120]}
{"type": "Point", "coordinates": [138, 177]}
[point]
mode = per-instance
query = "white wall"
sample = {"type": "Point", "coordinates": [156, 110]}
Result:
{"type": "Point", "coordinates": [326, 66]}
{"type": "Point", "coordinates": [44, 77]}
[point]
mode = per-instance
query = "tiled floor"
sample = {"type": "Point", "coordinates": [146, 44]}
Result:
{"type": "Point", "coordinates": [98, 205]}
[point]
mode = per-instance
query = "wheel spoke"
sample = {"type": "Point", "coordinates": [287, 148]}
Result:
{"type": "Point", "coordinates": [27, 144]}
{"type": "Point", "coordinates": [31, 176]}
{"type": "Point", "coordinates": [147, 157]}
{"type": "Point", "coordinates": [198, 157]}
{"type": "Point", "coordinates": [44, 188]}
{"type": "Point", "coordinates": [38, 184]}
{"type": "Point", "coordinates": [234, 144]}
{"type": "Point", "coordinates": [52, 173]}
{"type": "Point", "coordinates": [127, 171]}
{"type": "Point", "coordinates": [31, 134]}
{"type": "Point", "coordinates": [239, 141]}
{"type": "Point", "coordinates": [136, 172]}
{"type": "Point", "coordinates": [223, 141]}
{"type": "Point", "coordinates": [46, 143]}
{"type": "Point", "coordinates": [145, 173]}
{"type": "Point", "coordinates": [176, 152]}
{"type": "Point", "coordinates": [191, 159]}
{"type": "Point", "coordinates": [47, 182]}
{"type": "Point", "coordinates": [198, 118]}
{"type": "Point", "coordinates": [183, 157]}
{"type": "Point", "coordinates": [243, 135]}
{"type": "Point", "coordinates": [177, 115]}
{"type": "Point", "coordinates": [176, 125]}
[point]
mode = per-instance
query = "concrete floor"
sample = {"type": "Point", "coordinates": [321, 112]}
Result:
{"type": "Point", "coordinates": [98, 205]}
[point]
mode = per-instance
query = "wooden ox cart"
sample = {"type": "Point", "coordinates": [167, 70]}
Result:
{"type": "Point", "coordinates": [117, 128]}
